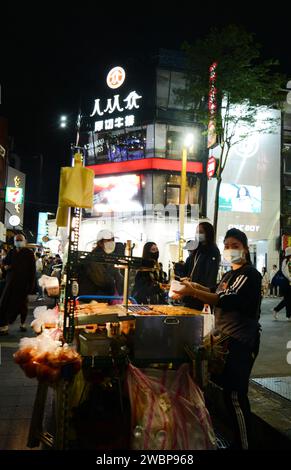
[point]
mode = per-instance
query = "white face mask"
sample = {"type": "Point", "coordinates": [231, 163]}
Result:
{"type": "Point", "coordinates": [19, 243]}
{"type": "Point", "coordinates": [109, 247]}
{"type": "Point", "coordinates": [233, 256]}
{"type": "Point", "coordinates": [201, 237]}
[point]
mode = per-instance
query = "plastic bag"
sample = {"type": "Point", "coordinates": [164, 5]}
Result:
{"type": "Point", "coordinates": [51, 284]}
{"type": "Point", "coordinates": [76, 186]}
{"type": "Point", "coordinates": [43, 357]}
{"type": "Point", "coordinates": [168, 411]}
{"type": "Point", "coordinates": [42, 317]}
{"type": "Point", "coordinates": [62, 218]}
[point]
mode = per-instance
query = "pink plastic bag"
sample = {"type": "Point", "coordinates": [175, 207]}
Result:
{"type": "Point", "coordinates": [168, 411]}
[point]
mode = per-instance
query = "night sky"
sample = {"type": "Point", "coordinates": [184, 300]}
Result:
{"type": "Point", "coordinates": [48, 56]}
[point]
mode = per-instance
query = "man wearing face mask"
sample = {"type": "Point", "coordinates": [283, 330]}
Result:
{"type": "Point", "coordinates": [203, 262]}
{"type": "Point", "coordinates": [20, 281]}
{"type": "Point", "coordinates": [98, 278]}
{"type": "Point", "coordinates": [147, 288]}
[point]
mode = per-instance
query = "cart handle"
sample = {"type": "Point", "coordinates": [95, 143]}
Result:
{"type": "Point", "coordinates": [103, 297]}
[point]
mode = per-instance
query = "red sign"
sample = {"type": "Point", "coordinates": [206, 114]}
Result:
{"type": "Point", "coordinates": [211, 167]}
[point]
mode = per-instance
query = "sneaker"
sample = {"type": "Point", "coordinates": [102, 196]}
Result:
{"type": "Point", "coordinates": [288, 318]}
{"type": "Point", "coordinates": [275, 315]}
{"type": "Point", "coordinates": [22, 328]}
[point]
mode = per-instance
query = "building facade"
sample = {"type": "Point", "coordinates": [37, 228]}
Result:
{"type": "Point", "coordinates": [133, 135]}
{"type": "Point", "coordinates": [249, 196]}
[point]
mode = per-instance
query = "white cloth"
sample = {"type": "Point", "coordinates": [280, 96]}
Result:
{"type": "Point", "coordinates": [38, 265]}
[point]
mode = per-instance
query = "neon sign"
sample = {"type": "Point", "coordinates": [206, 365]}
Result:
{"type": "Point", "coordinates": [115, 104]}
{"type": "Point", "coordinates": [115, 77]}
{"type": "Point", "coordinates": [212, 105]}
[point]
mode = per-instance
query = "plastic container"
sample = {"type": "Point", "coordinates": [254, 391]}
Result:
{"type": "Point", "coordinates": [175, 286]}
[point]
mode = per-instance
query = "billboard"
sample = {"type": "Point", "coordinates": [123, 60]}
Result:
{"type": "Point", "coordinates": [240, 198]}
{"type": "Point", "coordinates": [116, 194]}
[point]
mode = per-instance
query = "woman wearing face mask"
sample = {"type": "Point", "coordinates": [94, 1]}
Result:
{"type": "Point", "coordinates": [237, 303]}
{"type": "Point", "coordinates": [203, 263]}
{"type": "Point", "coordinates": [101, 278]}
{"type": "Point", "coordinates": [147, 288]}
{"type": "Point", "coordinates": [19, 265]}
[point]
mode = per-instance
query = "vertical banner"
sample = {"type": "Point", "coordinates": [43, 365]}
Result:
{"type": "Point", "coordinates": [212, 106]}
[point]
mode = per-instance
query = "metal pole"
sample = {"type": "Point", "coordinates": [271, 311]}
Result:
{"type": "Point", "coordinates": [126, 275]}
{"type": "Point", "coordinates": [182, 202]}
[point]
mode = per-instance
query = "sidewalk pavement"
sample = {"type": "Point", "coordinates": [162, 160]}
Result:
{"type": "Point", "coordinates": [17, 392]}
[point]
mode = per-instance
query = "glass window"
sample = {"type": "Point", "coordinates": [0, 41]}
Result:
{"type": "Point", "coordinates": [173, 190]}
{"type": "Point", "coordinates": [163, 83]}
{"type": "Point", "coordinates": [174, 146]}
{"type": "Point", "coordinates": [116, 147]}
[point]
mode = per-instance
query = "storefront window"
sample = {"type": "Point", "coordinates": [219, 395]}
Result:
{"type": "Point", "coordinates": [116, 147]}
{"type": "Point", "coordinates": [174, 146]}
{"type": "Point", "coordinates": [173, 185]}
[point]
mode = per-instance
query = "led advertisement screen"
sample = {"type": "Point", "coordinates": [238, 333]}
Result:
{"type": "Point", "coordinates": [240, 198]}
{"type": "Point", "coordinates": [116, 194]}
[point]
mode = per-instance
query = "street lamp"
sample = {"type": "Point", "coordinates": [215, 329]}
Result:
{"type": "Point", "coordinates": [63, 121]}
{"type": "Point", "coordinates": [187, 143]}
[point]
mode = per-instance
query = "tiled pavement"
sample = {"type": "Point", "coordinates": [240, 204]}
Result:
{"type": "Point", "coordinates": [17, 392]}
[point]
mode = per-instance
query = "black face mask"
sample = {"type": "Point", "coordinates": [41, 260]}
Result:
{"type": "Point", "coordinates": [155, 255]}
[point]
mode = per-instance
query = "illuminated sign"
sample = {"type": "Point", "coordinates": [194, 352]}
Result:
{"type": "Point", "coordinates": [117, 123]}
{"type": "Point", "coordinates": [14, 220]}
{"type": "Point", "coordinates": [245, 227]}
{"type": "Point", "coordinates": [14, 195]}
{"type": "Point", "coordinates": [42, 229]}
{"type": "Point", "coordinates": [211, 167]}
{"type": "Point", "coordinates": [130, 100]}
{"type": "Point", "coordinates": [115, 194]}
{"type": "Point", "coordinates": [115, 77]}
{"type": "Point", "coordinates": [212, 105]}
{"type": "Point", "coordinates": [115, 104]}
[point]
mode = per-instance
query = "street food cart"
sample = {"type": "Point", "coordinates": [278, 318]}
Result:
{"type": "Point", "coordinates": [137, 362]}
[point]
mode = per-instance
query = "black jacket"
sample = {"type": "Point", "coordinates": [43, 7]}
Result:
{"type": "Point", "coordinates": [202, 266]}
{"type": "Point", "coordinates": [147, 288]}
{"type": "Point", "coordinates": [238, 310]}
{"type": "Point", "coordinates": [99, 279]}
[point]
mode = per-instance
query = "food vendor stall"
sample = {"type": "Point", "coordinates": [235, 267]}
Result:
{"type": "Point", "coordinates": [123, 376]}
